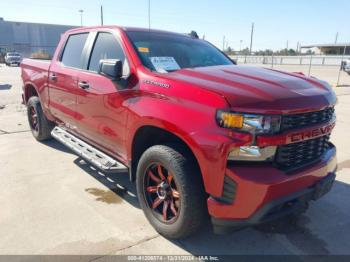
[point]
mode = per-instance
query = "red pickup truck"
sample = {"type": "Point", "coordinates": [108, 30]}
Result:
{"type": "Point", "coordinates": [196, 132]}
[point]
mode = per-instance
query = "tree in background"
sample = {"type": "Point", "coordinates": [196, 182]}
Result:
{"type": "Point", "coordinates": [245, 51]}
{"type": "Point", "coordinates": [229, 51]}
{"type": "Point", "coordinates": [310, 52]}
{"type": "Point", "coordinates": [267, 52]}
{"type": "Point", "coordinates": [288, 52]}
{"type": "Point", "coordinates": [41, 54]}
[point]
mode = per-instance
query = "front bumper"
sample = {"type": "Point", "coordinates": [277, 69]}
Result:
{"type": "Point", "coordinates": [264, 193]}
{"type": "Point", "coordinates": [13, 62]}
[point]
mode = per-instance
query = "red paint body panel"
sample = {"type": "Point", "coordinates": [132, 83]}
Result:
{"type": "Point", "coordinates": [258, 185]}
{"type": "Point", "coordinates": [109, 117]}
{"type": "Point", "coordinates": [36, 75]}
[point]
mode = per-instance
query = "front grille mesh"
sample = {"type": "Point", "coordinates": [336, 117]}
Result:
{"type": "Point", "coordinates": [306, 119]}
{"type": "Point", "coordinates": [292, 156]}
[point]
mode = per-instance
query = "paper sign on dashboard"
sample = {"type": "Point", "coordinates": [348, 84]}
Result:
{"type": "Point", "coordinates": [166, 63]}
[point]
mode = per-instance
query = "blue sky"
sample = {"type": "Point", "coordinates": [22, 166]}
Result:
{"type": "Point", "coordinates": [276, 22]}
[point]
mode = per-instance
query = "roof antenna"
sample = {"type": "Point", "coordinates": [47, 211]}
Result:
{"type": "Point", "coordinates": [194, 34]}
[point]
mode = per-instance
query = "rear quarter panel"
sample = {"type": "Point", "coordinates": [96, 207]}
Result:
{"type": "Point", "coordinates": [34, 74]}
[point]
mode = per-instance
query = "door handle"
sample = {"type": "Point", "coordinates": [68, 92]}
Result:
{"type": "Point", "coordinates": [84, 85]}
{"type": "Point", "coordinates": [53, 77]}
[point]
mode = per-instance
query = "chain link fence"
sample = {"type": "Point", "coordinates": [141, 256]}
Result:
{"type": "Point", "coordinates": [325, 67]}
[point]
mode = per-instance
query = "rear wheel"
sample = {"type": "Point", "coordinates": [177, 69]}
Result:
{"type": "Point", "coordinates": [170, 191]}
{"type": "Point", "coordinates": [40, 126]}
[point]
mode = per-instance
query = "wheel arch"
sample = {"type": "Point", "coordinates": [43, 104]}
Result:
{"type": "Point", "coordinates": [149, 135]}
{"type": "Point", "coordinates": [30, 90]}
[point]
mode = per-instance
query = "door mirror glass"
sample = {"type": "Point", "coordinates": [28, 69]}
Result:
{"type": "Point", "coordinates": [111, 68]}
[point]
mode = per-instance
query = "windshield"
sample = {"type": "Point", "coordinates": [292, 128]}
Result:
{"type": "Point", "coordinates": [165, 52]}
{"type": "Point", "coordinates": [13, 54]}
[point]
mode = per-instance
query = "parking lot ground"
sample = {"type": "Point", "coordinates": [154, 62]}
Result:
{"type": "Point", "coordinates": [54, 203]}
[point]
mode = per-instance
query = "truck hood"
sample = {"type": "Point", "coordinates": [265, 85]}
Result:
{"type": "Point", "coordinates": [260, 90]}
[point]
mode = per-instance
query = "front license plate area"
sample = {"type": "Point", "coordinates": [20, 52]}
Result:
{"type": "Point", "coordinates": [324, 186]}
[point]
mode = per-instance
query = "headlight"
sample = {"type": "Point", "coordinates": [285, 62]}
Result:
{"type": "Point", "coordinates": [255, 124]}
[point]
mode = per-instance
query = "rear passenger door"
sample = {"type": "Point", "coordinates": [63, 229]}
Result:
{"type": "Point", "coordinates": [63, 80]}
{"type": "Point", "coordinates": [100, 99]}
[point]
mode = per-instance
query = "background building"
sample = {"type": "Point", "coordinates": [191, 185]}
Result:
{"type": "Point", "coordinates": [328, 49]}
{"type": "Point", "coordinates": [30, 38]}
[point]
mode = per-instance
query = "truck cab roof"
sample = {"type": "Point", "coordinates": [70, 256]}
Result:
{"type": "Point", "coordinates": [121, 28]}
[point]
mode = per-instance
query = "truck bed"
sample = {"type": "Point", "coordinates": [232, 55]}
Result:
{"type": "Point", "coordinates": [36, 72]}
{"type": "Point", "coordinates": [31, 67]}
{"type": "Point", "coordinates": [41, 64]}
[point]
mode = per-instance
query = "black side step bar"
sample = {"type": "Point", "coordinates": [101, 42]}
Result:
{"type": "Point", "coordinates": [89, 153]}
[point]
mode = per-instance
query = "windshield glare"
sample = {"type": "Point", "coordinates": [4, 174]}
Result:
{"type": "Point", "coordinates": [165, 52]}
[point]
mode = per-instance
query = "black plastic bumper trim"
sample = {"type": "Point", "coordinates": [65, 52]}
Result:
{"type": "Point", "coordinates": [229, 191]}
{"type": "Point", "coordinates": [296, 202]}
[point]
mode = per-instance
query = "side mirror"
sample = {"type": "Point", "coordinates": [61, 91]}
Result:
{"type": "Point", "coordinates": [112, 68]}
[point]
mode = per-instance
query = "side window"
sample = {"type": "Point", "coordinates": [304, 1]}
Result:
{"type": "Point", "coordinates": [72, 53]}
{"type": "Point", "coordinates": [106, 47]}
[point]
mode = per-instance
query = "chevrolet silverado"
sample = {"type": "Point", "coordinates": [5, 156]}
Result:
{"type": "Point", "coordinates": [197, 133]}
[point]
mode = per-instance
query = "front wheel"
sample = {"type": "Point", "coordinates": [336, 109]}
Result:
{"type": "Point", "coordinates": [170, 191]}
{"type": "Point", "coordinates": [40, 126]}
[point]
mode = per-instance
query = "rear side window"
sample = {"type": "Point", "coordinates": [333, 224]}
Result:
{"type": "Point", "coordinates": [72, 54]}
{"type": "Point", "coordinates": [106, 47]}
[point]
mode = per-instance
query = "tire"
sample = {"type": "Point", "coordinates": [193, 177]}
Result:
{"type": "Point", "coordinates": [40, 126]}
{"type": "Point", "coordinates": [186, 182]}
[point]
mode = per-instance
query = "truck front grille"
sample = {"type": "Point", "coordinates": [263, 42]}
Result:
{"type": "Point", "coordinates": [293, 156]}
{"type": "Point", "coordinates": [306, 119]}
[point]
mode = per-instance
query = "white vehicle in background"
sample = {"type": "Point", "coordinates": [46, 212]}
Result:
{"type": "Point", "coordinates": [346, 66]}
{"type": "Point", "coordinates": [13, 58]}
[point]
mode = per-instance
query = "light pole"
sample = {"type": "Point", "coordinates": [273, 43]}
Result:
{"type": "Point", "coordinates": [251, 39]}
{"type": "Point", "coordinates": [341, 65]}
{"type": "Point", "coordinates": [149, 14]}
{"type": "Point", "coordinates": [81, 11]}
{"type": "Point", "coordinates": [223, 44]}
{"type": "Point", "coordinates": [298, 45]}
{"type": "Point", "coordinates": [101, 13]}
{"type": "Point", "coordinates": [336, 38]}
